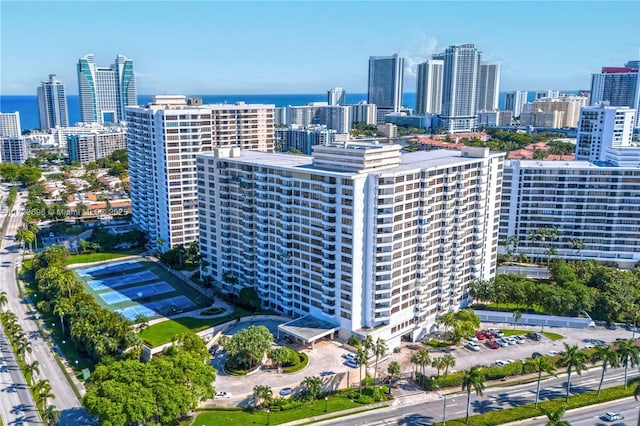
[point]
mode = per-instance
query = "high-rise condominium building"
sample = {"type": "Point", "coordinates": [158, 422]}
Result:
{"type": "Point", "coordinates": [547, 94]}
{"type": "Point", "coordinates": [95, 144]}
{"type": "Point", "coordinates": [514, 101]}
{"type": "Point", "coordinates": [52, 104]}
{"type": "Point", "coordinates": [460, 88]}
{"type": "Point", "coordinates": [14, 149]}
{"type": "Point", "coordinates": [302, 138]}
{"type": "Point", "coordinates": [359, 235]}
{"type": "Point", "coordinates": [488, 86]}
{"type": "Point", "coordinates": [601, 127]}
{"type": "Point", "coordinates": [10, 124]}
{"type": "Point", "coordinates": [362, 112]}
{"type": "Point", "coordinates": [619, 86]}
{"type": "Point", "coordinates": [385, 84]}
{"type": "Point", "coordinates": [163, 139]}
{"type": "Point", "coordinates": [335, 117]}
{"type": "Point", "coordinates": [429, 87]}
{"type": "Point", "coordinates": [545, 119]}
{"type": "Point", "coordinates": [569, 105]}
{"type": "Point", "coordinates": [336, 96]}
{"type": "Point", "coordinates": [494, 118]}
{"type": "Point", "coordinates": [105, 92]}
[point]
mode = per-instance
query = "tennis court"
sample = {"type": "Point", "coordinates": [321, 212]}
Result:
{"type": "Point", "coordinates": [121, 281]}
{"type": "Point", "coordinates": [158, 308]}
{"type": "Point", "coordinates": [138, 292]}
{"type": "Point", "coordinates": [111, 268]}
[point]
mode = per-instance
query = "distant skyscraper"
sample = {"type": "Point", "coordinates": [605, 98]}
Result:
{"type": "Point", "coordinates": [336, 96]}
{"type": "Point", "coordinates": [10, 124]}
{"type": "Point", "coordinates": [52, 104]}
{"type": "Point", "coordinates": [488, 86]}
{"type": "Point", "coordinates": [105, 92]}
{"type": "Point", "coordinates": [601, 127]}
{"type": "Point", "coordinates": [514, 101]}
{"type": "Point", "coordinates": [547, 94]}
{"type": "Point", "coordinates": [635, 64]}
{"type": "Point", "coordinates": [460, 86]}
{"type": "Point", "coordinates": [429, 87]}
{"type": "Point", "coordinates": [385, 84]}
{"type": "Point", "coordinates": [619, 86]}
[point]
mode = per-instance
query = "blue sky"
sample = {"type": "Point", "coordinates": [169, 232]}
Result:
{"type": "Point", "coordinates": [307, 47]}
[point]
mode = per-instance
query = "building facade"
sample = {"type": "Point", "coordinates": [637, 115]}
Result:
{"type": "Point", "coordinates": [371, 240]}
{"type": "Point", "coordinates": [89, 147]}
{"type": "Point", "coordinates": [302, 139]}
{"type": "Point", "coordinates": [601, 127]}
{"type": "Point", "coordinates": [494, 118]}
{"type": "Point", "coordinates": [163, 139]}
{"type": "Point", "coordinates": [15, 149]}
{"type": "Point", "coordinates": [568, 105]}
{"type": "Point", "coordinates": [336, 96]}
{"type": "Point", "coordinates": [385, 84]}
{"type": "Point", "coordinates": [515, 101]}
{"type": "Point", "coordinates": [548, 119]}
{"type": "Point", "coordinates": [10, 124]}
{"type": "Point", "coordinates": [362, 112]}
{"type": "Point", "coordinates": [488, 86]}
{"type": "Point", "coordinates": [460, 88]}
{"type": "Point", "coordinates": [429, 87]}
{"type": "Point", "coordinates": [104, 92]}
{"type": "Point", "coordinates": [619, 86]}
{"type": "Point", "coordinates": [335, 117]}
{"type": "Point", "coordinates": [52, 104]}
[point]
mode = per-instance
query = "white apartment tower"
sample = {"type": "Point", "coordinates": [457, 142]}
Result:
{"type": "Point", "coordinates": [429, 87]}
{"type": "Point", "coordinates": [601, 127]}
{"type": "Point", "coordinates": [488, 86]}
{"type": "Point", "coordinates": [460, 88]}
{"type": "Point", "coordinates": [95, 144]}
{"type": "Point", "coordinates": [336, 96]}
{"type": "Point", "coordinates": [10, 124]}
{"type": "Point", "coordinates": [52, 104]}
{"type": "Point", "coordinates": [514, 102]}
{"type": "Point", "coordinates": [163, 139]}
{"type": "Point", "coordinates": [358, 235]}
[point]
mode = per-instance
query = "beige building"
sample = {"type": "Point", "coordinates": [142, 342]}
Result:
{"type": "Point", "coordinates": [553, 119]}
{"type": "Point", "coordinates": [569, 105]}
{"type": "Point", "coordinates": [96, 144]}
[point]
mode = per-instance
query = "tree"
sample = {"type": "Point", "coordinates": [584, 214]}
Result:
{"type": "Point", "coordinates": [42, 390]}
{"type": "Point", "coordinates": [422, 359]}
{"type": "Point", "coordinates": [30, 370]}
{"type": "Point", "coordinates": [362, 356]}
{"type": "Point", "coordinates": [482, 289]}
{"type": "Point", "coordinates": [542, 364]}
{"type": "Point", "coordinates": [629, 355]}
{"type": "Point", "coordinates": [247, 347]}
{"type": "Point", "coordinates": [51, 416]}
{"type": "Point", "coordinates": [448, 360]}
{"type": "Point", "coordinates": [577, 244]}
{"type": "Point", "coordinates": [262, 393]}
{"type": "Point", "coordinates": [249, 297]}
{"type": "Point", "coordinates": [609, 357]}
{"type": "Point", "coordinates": [555, 417]}
{"type": "Point", "coordinates": [313, 386]}
{"type": "Point", "coordinates": [517, 314]}
{"type": "Point", "coordinates": [379, 349]}
{"type": "Point", "coordinates": [473, 379]}
{"type": "Point", "coordinates": [393, 369]}
{"type": "Point", "coordinates": [280, 355]}
{"type": "Point", "coordinates": [439, 364]}
{"type": "Point", "coordinates": [573, 359]}
{"type": "Point", "coordinates": [3, 300]}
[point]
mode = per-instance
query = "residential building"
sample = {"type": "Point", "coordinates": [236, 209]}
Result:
{"type": "Point", "coordinates": [405, 120]}
{"type": "Point", "coordinates": [10, 124]}
{"type": "Point", "coordinates": [515, 101]}
{"type": "Point", "coordinates": [280, 116]}
{"type": "Point", "coordinates": [569, 105]}
{"type": "Point", "coordinates": [618, 86]}
{"type": "Point", "coordinates": [15, 149]}
{"type": "Point", "coordinates": [335, 117]}
{"type": "Point", "coordinates": [362, 112]}
{"type": "Point", "coordinates": [429, 87]}
{"type": "Point", "coordinates": [385, 84]}
{"type": "Point", "coordinates": [494, 118]}
{"type": "Point", "coordinates": [52, 104]}
{"type": "Point", "coordinates": [91, 146]}
{"type": "Point", "coordinates": [547, 94]}
{"type": "Point", "coordinates": [365, 238]}
{"type": "Point", "coordinates": [163, 139]}
{"type": "Point", "coordinates": [460, 88]}
{"type": "Point", "coordinates": [547, 119]}
{"type": "Point", "coordinates": [104, 92]}
{"type": "Point", "coordinates": [488, 86]}
{"type": "Point", "coordinates": [603, 126]}
{"type": "Point", "coordinates": [303, 139]}
{"type": "Point", "coordinates": [336, 96]}
{"type": "Point", "coordinates": [387, 130]}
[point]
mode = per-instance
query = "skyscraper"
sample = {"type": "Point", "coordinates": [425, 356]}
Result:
{"type": "Point", "coordinates": [619, 86]}
{"type": "Point", "coordinates": [385, 84]}
{"type": "Point", "coordinates": [105, 92]}
{"type": "Point", "coordinates": [52, 104]}
{"type": "Point", "coordinates": [429, 87]}
{"type": "Point", "coordinates": [336, 96]}
{"type": "Point", "coordinates": [10, 124]}
{"type": "Point", "coordinates": [601, 127]}
{"type": "Point", "coordinates": [514, 101]}
{"type": "Point", "coordinates": [460, 87]}
{"type": "Point", "coordinates": [488, 86]}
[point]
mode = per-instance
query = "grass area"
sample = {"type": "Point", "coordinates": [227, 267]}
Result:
{"type": "Point", "coordinates": [510, 307]}
{"type": "Point", "coordinates": [552, 336]}
{"type": "Point", "coordinates": [304, 361]}
{"type": "Point", "coordinates": [162, 332]}
{"type": "Point", "coordinates": [244, 418]}
{"type": "Point", "coordinates": [514, 332]}
{"type": "Point", "coordinates": [93, 257]}
{"type": "Point", "coordinates": [528, 411]}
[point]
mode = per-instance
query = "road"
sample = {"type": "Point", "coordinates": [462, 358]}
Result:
{"type": "Point", "coordinates": [71, 410]}
{"type": "Point", "coordinates": [590, 416]}
{"type": "Point", "coordinates": [421, 411]}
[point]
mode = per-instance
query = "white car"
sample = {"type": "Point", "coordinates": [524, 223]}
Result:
{"type": "Point", "coordinates": [502, 342]}
{"type": "Point", "coordinates": [352, 363]}
{"type": "Point", "coordinates": [223, 395]}
{"type": "Point", "coordinates": [519, 340]}
{"type": "Point", "coordinates": [501, 363]}
{"type": "Point", "coordinates": [553, 353]}
{"type": "Point", "coordinates": [473, 346]}
{"type": "Point", "coordinates": [509, 361]}
{"type": "Point", "coordinates": [612, 417]}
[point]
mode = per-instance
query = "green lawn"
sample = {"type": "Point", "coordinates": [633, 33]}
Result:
{"type": "Point", "coordinates": [242, 418]}
{"type": "Point", "coordinates": [513, 331]}
{"type": "Point", "coordinates": [514, 306]}
{"type": "Point", "coordinates": [552, 336]}
{"type": "Point", "coordinates": [93, 257]}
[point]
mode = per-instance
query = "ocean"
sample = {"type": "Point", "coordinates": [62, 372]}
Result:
{"type": "Point", "coordinates": [28, 105]}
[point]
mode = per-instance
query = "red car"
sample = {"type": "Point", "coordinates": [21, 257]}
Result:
{"type": "Point", "coordinates": [488, 334]}
{"type": "Point", "coordinates": [480, 336]}
{"type": "Point", "coordinates": [492, 344]}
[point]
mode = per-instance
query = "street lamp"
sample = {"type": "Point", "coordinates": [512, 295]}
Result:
{"type": "Point", "coordinates": [326, 401]}
{"type": "Point", "coordinates": [268, 417]}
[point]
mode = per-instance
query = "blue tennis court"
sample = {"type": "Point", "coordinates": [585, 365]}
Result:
{"type": "Point", "coordinates": [132, 312]}
{"type": "Point", "coordinates": [115, 282]}
{"type": "Point", "coordinates": [147, 290]}
{"type": "Point", "coordinates": [161, 307]}
{"type": "Point", "coordinates": [113, 297]}
{"type": "Point", "coordinates": [108, 269]}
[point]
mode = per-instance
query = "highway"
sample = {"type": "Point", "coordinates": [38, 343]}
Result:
{"type": "Point", "coordinates": [71, 410]}
{"type": "Point", "coordinates": [418, 411]}
{"type": "Point", "coordinates": [592, 415]}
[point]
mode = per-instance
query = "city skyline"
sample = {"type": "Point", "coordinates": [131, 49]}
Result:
{"type": "Point", "coordinates": [235, 48]}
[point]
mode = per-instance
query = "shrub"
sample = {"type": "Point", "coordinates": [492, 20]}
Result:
{"type": "Point", "coordinates": [304, 360]}
{"type": "Point", "coordinates": [293, 404]}
{"type": "Point", "coordinates": [354, 341]}
{"type": "Point", "coordinates": [434, 343]}
{"type": "Point", "coordinates": [451, 380]}
{"type": "Point", "coordinates": [364, 399]}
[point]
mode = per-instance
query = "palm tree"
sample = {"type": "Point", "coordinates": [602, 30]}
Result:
{"type": "Point", "coordinates": [629, 355]}
{"type": "Point", "coordinates": [608, 357]}
{"type": "Point", "coordinates": [421, 359]}
{"type": "Point", "coordinates": [3, 300]}
{"type": "Point", "coordinates": [393, 369]}
{"type": "Point", "coordinates": [262, 393]}
{"type": "Point", "coordinates": [379, 349]}
{"type": "Point", "coordinates": [473, 379]}
{"type": "Point", "coordinates": [367, 343]}
{"type": "Point", "coordinates": [51, 415]}
{"type": "Point", "coordinates": [62, 308]}
{"type": "Point", "coordinates": [30, 370]}
{"type": "Point", "coordinates": [439, 364]}
{"type": "Point", "coordinates": [573, 359]}
{"type": "Point", "coordinates": [555, 417]}
{"type": "Point", "coordinates": [517, 314]}
{"type": "Point", "coordinates": [577, 244]}
{"type": "Point", "coordinates": [542, 364]}
{"type": "Point", "coordinates": [362, 358]}
{"type": "Point", "coordinates": [42, 390]}
{"type": "Point", "coordinates": [313, 385]}
{"type": "Point", "coordinates": [448, 360]}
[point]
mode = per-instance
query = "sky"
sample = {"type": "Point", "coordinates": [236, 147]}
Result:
{"type": "Point", "coordinates": [269, 47]}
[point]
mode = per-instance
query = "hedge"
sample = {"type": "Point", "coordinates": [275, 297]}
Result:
{"type": "Point", "coordinates": [304, 360]}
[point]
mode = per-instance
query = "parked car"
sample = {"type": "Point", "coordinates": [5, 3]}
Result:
{"type": "Point", "coordinates": [473, 346]}
{"type": "Point", "coordinates": [536, 355]}
{"type": "Point", "coordinates": [612, 417]}
{"type": "Point", "coordinates": [480, 335]}
{"type": "Point", "coordinates": [610, 326]}
{"type": "Point", "coordinates": [492, 344]}
{"type": "Point", "coordinates": [286, 391]}
{"type": "Point", "coordinates": [535, 336]}
{"type": "Point", "coordinates": [502, 342]}
{"type": "Point", "coordinates": [519, 340]}
{"type": "Point", "coordinates": [352, 363]}
{"type": "Point", "coordinates": [223, 395]}
{"type": "Point", "coordinates": [500, 363]}
{"type": "Point", "coordinates": [553, 353]}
